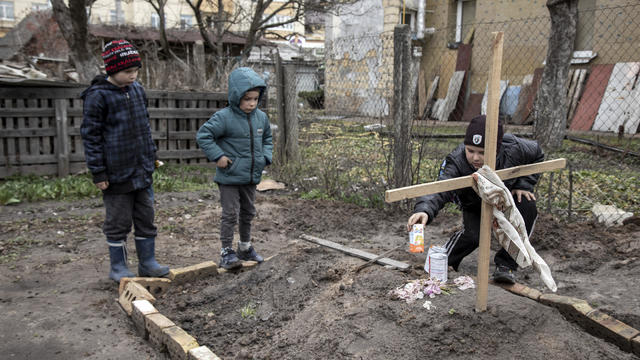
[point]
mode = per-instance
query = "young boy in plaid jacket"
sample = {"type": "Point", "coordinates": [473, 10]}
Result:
{"type": "Point", "coordinates": [120, 155]}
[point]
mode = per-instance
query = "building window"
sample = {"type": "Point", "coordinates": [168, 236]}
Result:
{"type": "Point", "coordinates": [40, 6]}
{"type": "Point", "coordinates": [155, 21]}
{"type": "Point", "coordinates": [278, 19]}
{"type": "Point", "coordinates": [113, 17]}
{"type": "Point", "coordinates": [6, 10]}
{"type": "Point", "coordinates": [186, 21]}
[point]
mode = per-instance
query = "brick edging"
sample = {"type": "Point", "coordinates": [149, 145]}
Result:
{"type": "Point", "coordinates": [137, 296]}
{"type": "Point", "coordinates": [580, 312]}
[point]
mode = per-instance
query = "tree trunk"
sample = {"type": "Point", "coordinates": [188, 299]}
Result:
{"type": "Point", "coordinates": [550, 108]}
{"type": "Point", "coordinates": [73, 24]}
{"type": "Point", "coordinates": [404, 84]}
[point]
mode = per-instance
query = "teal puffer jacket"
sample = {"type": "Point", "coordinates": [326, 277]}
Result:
{"type": "Point", "coordinates": [243, 138]}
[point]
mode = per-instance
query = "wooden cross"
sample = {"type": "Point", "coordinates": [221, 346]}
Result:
{"type": "Point", "coordinates": [491, 132]}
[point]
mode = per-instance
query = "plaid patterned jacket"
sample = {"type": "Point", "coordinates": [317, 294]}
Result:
{"type": "Point", "coordinates": [116, 135]}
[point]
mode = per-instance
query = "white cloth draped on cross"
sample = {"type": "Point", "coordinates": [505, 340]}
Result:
{"type": "Point", "coordinates": [508, 225]}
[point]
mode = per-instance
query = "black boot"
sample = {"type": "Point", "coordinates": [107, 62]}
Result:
{"type": "Point", "coordinates": [504, 275]}
{"type": "Point", "coordinates": [147, 265]}
{"type": "Point", "coordinates": [118, 256]}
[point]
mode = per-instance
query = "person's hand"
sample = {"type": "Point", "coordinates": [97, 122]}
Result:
{"type": "Point", "coordinates": [416, 218]}
{"type": "Point", "coordinates": [102, 185]}
{"type": "Point", "coordinates": [520, 193]}
{"type": "Point", "coordinates": [223, 162]}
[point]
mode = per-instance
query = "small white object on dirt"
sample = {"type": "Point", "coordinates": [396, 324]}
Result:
{"type": "Point", "coordinates": [373, 127]}
{"type": "Point", "coordinates": [268, 184]}
{"type": "Point", "coordinates": [609, 214]}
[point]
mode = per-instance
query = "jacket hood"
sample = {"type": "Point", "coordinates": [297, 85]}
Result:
{"type": "Point", "coordinates": [98, 82]}
{"type": "Point", "coordinates": [241, 80]}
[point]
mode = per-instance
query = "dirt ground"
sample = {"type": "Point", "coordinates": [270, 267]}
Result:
{"type": "Point", "coordinates": [307, 301]}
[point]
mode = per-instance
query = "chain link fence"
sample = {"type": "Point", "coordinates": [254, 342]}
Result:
{"type": "Point", "coordinates": [345, 110]}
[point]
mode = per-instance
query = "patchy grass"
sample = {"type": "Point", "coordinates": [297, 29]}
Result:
{"type": "Point", "coordinates": [342, 161]}
{"type": "Point", "coordinates": [37, 188]}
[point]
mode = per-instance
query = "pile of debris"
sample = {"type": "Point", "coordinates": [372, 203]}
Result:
{"type": "Point", "coordinates": [14, 71]}
{"type": "Point", "coordinates": [11, 70]}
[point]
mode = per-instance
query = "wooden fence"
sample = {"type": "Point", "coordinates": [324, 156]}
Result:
{"type": "Point", "coordinates": [40, 128]}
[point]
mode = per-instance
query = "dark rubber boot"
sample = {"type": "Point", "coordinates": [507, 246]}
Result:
{"type": "Point", "coordinates": [118, 256]}
{"type": "Point", "coordinates": [148, 266]}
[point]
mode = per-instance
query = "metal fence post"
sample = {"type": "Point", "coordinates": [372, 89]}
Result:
{"type": "Point", "coordinates": [62, 136]}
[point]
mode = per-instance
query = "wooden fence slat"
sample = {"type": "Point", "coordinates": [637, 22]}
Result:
{"type": "Point", "coordinates": [46, 141]}
{"type": "Point", "coordinates": [21, 122]}
{"type": "Point", "coordinates": [26, 133]}
{"type": "Point", "coordinates": [178, 95]}
{"type": "Point", "coordinates": [62, 146]}
{"type": "Point", "coordinates": [181, 113]}
{"type": "Point", "coordinates": [13, 92]}
{"type": "Point", "coordinates": [77, 146]}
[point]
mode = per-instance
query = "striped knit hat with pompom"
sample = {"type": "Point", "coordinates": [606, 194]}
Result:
{"type": "Point", "coordinates": [120, 55]}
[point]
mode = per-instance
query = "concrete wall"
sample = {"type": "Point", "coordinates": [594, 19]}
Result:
{"type": "Point", "coordinates": [359, 58]}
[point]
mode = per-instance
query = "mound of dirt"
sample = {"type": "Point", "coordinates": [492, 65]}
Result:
{"type": "Point", "coordinates": [307, 301]}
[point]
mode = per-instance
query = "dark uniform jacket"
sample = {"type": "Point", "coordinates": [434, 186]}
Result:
{"type": "Point", "coordinates": [514, 151]}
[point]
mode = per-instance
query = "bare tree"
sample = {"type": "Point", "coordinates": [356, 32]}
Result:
{"type": "Point", "coordinates": [73, 23]}
{"type": "Point", "coordinates": [550, 109]}
{"type": "Point", "coordinates": [159, 6]}
{"type": "Point", "coordinates": [261, 21]}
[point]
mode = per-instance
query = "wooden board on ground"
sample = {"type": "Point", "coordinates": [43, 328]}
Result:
{"type": "Point", "coordinates": [533, 91]}
{"type": "Point", "coordinates": [473, 108]}
{"type": "Point", "coordinates": [430, 102]}
{"type": "Point", "coordinates": [577, 93]}
{"type": "Point", "coordinates": [615, 101]}
{"type": "Point", "coordinates": [633, 120]}
{"type": "Point", "coordinates": [525, 93]}
{"type": "Point", "coordinates": [463, 63]}
{"type": "Point", "coordinates": [452, 96]}
{"type": "Point", "coordinates": [355, 252]}
{"type": "Point", "coordinates": [503, 87]}
{"type": "Point", "coordinates": [592, 97]}
{"type": "Point", "coordinates": [422, 91]}
{"type": "Point", "coordinates": [447, 68]}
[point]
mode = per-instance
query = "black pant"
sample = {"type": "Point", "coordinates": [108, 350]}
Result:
{"type": "Point", "coordinates": [465, 241]}
{"type": "Point", "coordinates": [123, 210]}
{"type": "Point", "coordinates": [237, 203]}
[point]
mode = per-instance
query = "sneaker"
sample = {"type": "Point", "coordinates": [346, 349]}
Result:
{"type": "Point", "coordinates": [504, 275]}
{"type": "Point", "coordinates": [250, 255]}
{"type": "Point", "coordinates": [229, 260]}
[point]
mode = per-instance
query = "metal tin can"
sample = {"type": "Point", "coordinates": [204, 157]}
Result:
{"type": "Point", "coordinates": [437, 263]}
{"type": "Point", "coordinates": [416, 239]}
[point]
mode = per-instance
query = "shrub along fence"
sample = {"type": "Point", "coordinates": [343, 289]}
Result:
{"type": "Point", "coordinates": [40, 127]}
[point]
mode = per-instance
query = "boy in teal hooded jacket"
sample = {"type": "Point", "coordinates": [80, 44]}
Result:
{"type": "Point", "coordinates": [238, 138]}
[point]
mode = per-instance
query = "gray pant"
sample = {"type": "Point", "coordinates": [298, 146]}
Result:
{"type": "Point", "coordinates": [237, 202]}
{"type": "Point", "coordinates": [123, 210]}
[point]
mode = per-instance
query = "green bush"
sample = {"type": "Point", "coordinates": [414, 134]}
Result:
{"type": "Point", "coordinates": [315, 99]}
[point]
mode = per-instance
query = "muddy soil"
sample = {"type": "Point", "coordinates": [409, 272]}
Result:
{"type": "Point", "coordinates": [306, 301]}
